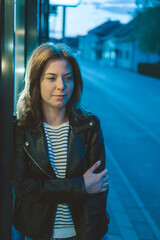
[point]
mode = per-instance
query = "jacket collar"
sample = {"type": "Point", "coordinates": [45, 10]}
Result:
{"type": "Point", "coordinates": [81, 125]}
{"type": "Point", "coordinates": [37, 147]}
{"type": "Point", "coordinates": [76, 126]}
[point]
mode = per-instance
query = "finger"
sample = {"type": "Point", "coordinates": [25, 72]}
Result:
{"type": "Point", "coordinates": [95, 166]}
{"type": "Point", "coordinates": [106, 185]}
{"type": "Point", "coordinates": [103, 173]}
{"type": "Point", "coordinates": [105, 179]}
{"type": "Point", "coordinates": [104, 189]}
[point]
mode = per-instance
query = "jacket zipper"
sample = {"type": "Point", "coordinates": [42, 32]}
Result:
{"type": "Point", "coordinates": [36, 163]}
{"type": "Point", "coordinates": [54, 210]}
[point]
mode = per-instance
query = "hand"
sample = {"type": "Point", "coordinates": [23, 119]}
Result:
{"type": "Point", "coordinates": [96, 182]}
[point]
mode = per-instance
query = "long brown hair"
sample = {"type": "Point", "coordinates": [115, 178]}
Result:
{"type": "Point", "coordinates": [29, 111]}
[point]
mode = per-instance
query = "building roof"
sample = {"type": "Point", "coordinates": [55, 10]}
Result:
{"type": "Point", "coordinates": [126, 30]}
{"type": "Point", "coordinates": [112, 34]}
{"type": "Point", "coordinates": [105, 28]}
{"type": "Point", "coordinates": [123, 32]}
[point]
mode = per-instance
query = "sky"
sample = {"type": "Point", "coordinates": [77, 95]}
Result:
{"type": "Point", "coordinates": [90, 14]}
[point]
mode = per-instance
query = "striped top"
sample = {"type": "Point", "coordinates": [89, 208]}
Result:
{"type": "Point", "coordinates": [57, 142]}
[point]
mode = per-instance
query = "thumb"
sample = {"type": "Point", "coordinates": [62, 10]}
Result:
{"type": "Point", "coordinates": [95, 166]}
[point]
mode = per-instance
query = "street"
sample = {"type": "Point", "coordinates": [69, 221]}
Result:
{"type": "Point", "coordinates": [128, 105]}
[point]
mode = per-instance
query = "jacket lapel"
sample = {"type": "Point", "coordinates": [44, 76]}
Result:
{"type": "Point", "coordinates": [36, 147]}
{"type": "Point", "coordinates": [77, 146]}
{"type": "Point", "coordinates": [76, 152]}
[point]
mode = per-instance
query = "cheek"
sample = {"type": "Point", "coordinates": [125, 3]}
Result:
{"type": "Point", "coordinates": [46, 88]}
{"type": "Point", "coordinates": [42, 89]}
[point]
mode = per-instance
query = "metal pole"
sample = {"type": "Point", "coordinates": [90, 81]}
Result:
{"type": "Point", "coordinates": [6, 93]}
{"type": "Point", "coordinates": [64, 24]}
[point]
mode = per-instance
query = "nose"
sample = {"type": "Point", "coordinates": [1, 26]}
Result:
{"type": "Point", "coordinates": [61, 84]}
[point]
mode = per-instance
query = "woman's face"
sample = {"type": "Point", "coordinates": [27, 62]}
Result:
{"type": "Point", "coordinates": [56, 84]}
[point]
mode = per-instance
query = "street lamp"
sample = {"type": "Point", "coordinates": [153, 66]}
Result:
{"type": "Point", "coordinates": [64, 4]}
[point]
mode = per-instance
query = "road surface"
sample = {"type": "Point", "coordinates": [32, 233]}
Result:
{"type": "Point", "coordinates": [128, 105]}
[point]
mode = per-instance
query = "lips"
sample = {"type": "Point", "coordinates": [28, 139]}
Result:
{"type": "Point", "coordinates": [60, 95]}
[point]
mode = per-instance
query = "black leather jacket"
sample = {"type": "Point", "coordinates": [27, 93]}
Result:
{"type": "Point", "coordinates": [38, 190]}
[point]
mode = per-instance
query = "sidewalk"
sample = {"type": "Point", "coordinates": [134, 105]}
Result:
{"type": "Point", "coordinates": [128, 217]}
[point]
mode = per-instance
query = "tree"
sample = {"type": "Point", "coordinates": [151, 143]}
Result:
{"type": "Point", "coordinates": [147, 28]}
{"type": "Point", "coordinates": [147, 3]}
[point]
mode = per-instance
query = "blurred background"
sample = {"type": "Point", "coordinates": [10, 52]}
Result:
{"type": "Point", "coordinates": [117, 45]}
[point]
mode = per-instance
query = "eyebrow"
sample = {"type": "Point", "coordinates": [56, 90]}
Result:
{"type": "Point", "coordinates": [53, 74]}
{"type": "Point", "coordinates": [50, 74]}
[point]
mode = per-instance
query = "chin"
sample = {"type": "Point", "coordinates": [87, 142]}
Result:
{"type": "Point", "coordinates": [60, 106]}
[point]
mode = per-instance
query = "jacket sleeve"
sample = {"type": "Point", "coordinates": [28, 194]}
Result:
{"type": "Point", "coordinates": [96, 204]}
{"type": "Point", "coordinates": [96, 149]}
{"type": "Point", "coordinates": [45, 189]}
{"type": "Point", "coordinates": [96, 146]}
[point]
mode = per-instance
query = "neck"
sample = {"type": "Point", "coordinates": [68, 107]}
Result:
{"type": "Point", "coordinates": [54, 117]}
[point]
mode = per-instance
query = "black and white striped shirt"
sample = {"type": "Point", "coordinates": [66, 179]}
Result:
{"type": "Point", "coordinates": [57, 142]}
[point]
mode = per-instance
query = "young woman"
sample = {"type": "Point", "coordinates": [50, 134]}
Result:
{"type": "Point", "coordinates": [58, 167]}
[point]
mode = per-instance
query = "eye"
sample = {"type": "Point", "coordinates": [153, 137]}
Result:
{"type": "Point", "coordinates": [51, 78]}
{"type": "Point", "coordinates": [68, 78]}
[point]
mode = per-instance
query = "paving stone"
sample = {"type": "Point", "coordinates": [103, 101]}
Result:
{"type": "Point", "coordinates": [128, 234]}
{"type": "Point", "coordinates": [126, 219]}
{"type": "Point", "coordinates": [122, 190]}
{"type": "Point", "coordinates": [144, 231]}
{"type": "Point", "coordinates": [116, 205]}
{"type": "Point", "coordinates": [128, 202]}
{"type": "Point", "coordinates": [122, 220]}
{"type": "Point", "coordinates": [113, 227]}
{"type": "Point", "coordinates": [135, 215]}
{"type": "Point", "coordinates": [115, 180]}
{"type": "Point", "coordinates": [114, 237]}
{"type": "Point", "coordinates": [112, 193]}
